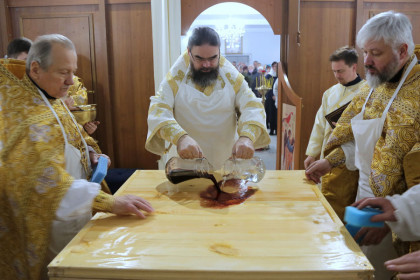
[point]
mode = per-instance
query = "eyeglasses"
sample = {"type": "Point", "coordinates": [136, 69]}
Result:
{"type": "Point", "coordinates": [200, 59]}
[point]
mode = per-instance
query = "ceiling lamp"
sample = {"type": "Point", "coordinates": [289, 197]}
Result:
{"type": "Point", "coordinates": [231, 33]}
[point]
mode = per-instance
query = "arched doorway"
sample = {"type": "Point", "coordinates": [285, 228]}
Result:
{"type": "Point", "coordinates": [253, 39]}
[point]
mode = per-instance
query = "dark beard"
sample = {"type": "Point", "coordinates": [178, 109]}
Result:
{"type": "Point", "coordinates": [204, 79]}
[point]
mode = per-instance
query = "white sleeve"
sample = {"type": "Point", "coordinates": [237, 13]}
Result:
{"type": "Point", "coordinates": [407, 212]}
{"type": "Point", "coordinates": [77, 200]}
{"type": "Point", "coordinates": [349, 150]}
{"type": "Point", "coordinates": [276, 92]}
{"type": "Point", "coordinates": [252, 112]}
{"type": "Point", "coordinates": [316, 139]}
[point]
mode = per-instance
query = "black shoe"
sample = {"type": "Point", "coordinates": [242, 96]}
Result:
{"type": "Point", "coordinates": [271, 133]}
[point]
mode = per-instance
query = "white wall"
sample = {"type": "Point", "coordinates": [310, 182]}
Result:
{"type": "Point", "coordinates": [259, 43]}
{"type": "Point", "coordinates": [262, 45]}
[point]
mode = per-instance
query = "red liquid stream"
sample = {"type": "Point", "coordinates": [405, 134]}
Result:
{"type": "Point", "coordinates": [212, 197]}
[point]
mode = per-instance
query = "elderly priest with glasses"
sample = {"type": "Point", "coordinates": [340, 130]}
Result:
{"type": "Point", "coordinates": [205, 108]}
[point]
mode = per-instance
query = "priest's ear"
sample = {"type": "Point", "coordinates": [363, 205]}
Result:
{"type": "Point", "coordinates": [402, 51]}
{"type": "Point", "coordinates": [35, 69]}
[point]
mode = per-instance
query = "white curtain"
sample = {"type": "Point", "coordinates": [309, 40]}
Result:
{"type": "Point", "coordinates": [166, 28]}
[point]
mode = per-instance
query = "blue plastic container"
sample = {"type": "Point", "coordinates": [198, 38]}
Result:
{"type": "Point", "coordinates": [99, 172]}
{"type": "Point", "coordinates": [353, 231]}
{"type": "Point", "coordinates": [361, 217]}
{"type": "Point", "coordinates": [358, 218]}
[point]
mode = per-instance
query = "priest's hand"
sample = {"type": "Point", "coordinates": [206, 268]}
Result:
{"type": "Point", "coordinates": [69, 101]}
{"type": "Point", "coordinates": [131, 204]}
{"type": "Point", "coordinates": [408, 266]}
{"type": "Point", "coordinates": [90, 127]}
{"type": "Point", "coordinates": [243, 148]}
{"type": "Point", "coordinates": [317, 169]}
{"type": "Point", "coordinates": [94, 157]}
{"type": "Point", "coordinates": [371, 235]}
{"type": "Point", "coordinates": [378, 202]}
{"type": "Point", "coordinates": [308, 161]}
{"type": "Point", "coordinates": [188, 148]}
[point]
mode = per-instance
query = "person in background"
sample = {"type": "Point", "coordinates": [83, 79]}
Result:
{"type": "Point", "coordinates": [256, 75]}
{"type": "Point", "coordinates": [250, 69]}
{"type": "Point", "coordinates": [268, 70]}
{"type": "Point", "coordinates": [46, 160]}
{"type": "Point", "coordinates": [234, 64]}
{"type": "Point", "coordinates": [402, 214]}
{"type": "Point", "coordinates": [343, 64]}
{"type": "Point", "coordinates": [18, 48]}
{"type": "Point", "coordinates": [276, 91]}
{"type": "Point", "coordinates": [246, 75]}
{"type": "Point", "coordinates": [379, 130]}
{"type": "Point", "coordinates": [240, 67]}
{"type": "Point", "coordinates": [255, 67]}
{"type": "Point", "coordinates": [205, 108]}
{"type": "Point", "coordinates": [270, 107]}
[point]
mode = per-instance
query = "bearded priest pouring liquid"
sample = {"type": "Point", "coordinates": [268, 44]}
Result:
{"type": "Point", "coordinates": [204, 107]}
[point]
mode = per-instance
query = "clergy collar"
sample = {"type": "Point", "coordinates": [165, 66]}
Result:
{"type": "Point", "coordinates": [355, 81]}
{"type": "Point", "coordinates": [43, 91]}
{"type": "Point", "coordinates": [397, 76]}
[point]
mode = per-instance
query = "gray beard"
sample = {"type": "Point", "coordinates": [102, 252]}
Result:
{"type": "Point", "coordinates": [204, 79]}
{"type": "Point", "coordinates": [382, 77]}
{"type": "Point", "coordinates": [373, 80]}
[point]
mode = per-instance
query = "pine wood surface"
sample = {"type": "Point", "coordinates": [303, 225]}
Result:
{"type": "Point", "coordinates": [286, 230]}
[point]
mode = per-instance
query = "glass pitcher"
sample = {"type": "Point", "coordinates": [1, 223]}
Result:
{"type": "Point", "coordinates": [179, 170]}
{"type": "Point", "coordinates": [251, 170]}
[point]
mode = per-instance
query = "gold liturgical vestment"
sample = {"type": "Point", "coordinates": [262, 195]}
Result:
{"type": "Point", "coordinates": [78, 92]}
{"type": "Point", "coordinates": [394, 166]}
{"type": "Point", "coordinates": [33, 176]}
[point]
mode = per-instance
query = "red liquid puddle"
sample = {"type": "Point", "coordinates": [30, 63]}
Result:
{"type": "Point", "coordinates": [212, 197]}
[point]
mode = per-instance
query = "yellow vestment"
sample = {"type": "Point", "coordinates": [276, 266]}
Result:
{"type": "Point", "coordinates": [33, 176]}
{"type": "Point", "coordinates": [78, 92]}
{"type": "Point", "coordinates": [400, 135]}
